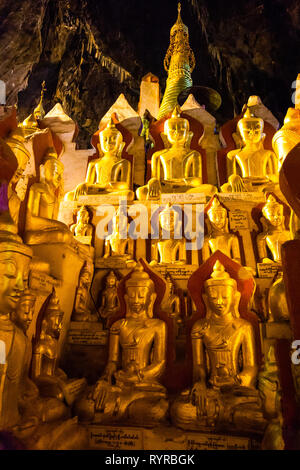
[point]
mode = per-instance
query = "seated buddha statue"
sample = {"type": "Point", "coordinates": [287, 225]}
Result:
{"type": "Point", "coordinates": [130, 389]}
{"type": "Point", "coordinates": [172, 305]}
{"type": "Point", "coordinates": [109, 298]}
{"type": "Point", "coordinates": [109, 174]}
{"type": "Point", "coordinates": [168, 248]}
{"type": "Point", "coordinates": [42, 225]}
{"type": "Point", "coordinates": [258, 167]}
{"type": "Point", "coordinates": [219, 237]}
{"type": "Point", "coordinates": [50, 379]}
{"type": "Point", "coordinates": [274, 233]}
{"type": "Point", "coordinates": [223, 395]}
{"type": "Point", "coordinates": [81, 310]}
{"type": "Point", "coordinates": [177, 169]}
{"type": "Point", "coordinates": [22, 412]}
{"type": "Point", "coordinates": [82, 228]}
{"type": "Point", "coordinates": [117, 244]}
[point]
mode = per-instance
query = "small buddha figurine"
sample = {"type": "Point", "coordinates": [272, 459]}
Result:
{"type": "Point", "coordinates": [109, 298]}
{"type": "Point", "coordinates": [109, 174]}
{"type": "Point", "coordinates": [168, 249]}
{"type": "Point", "coordinates": [274, 233]}
{"type": "Point", "coordinates": [82, 228]}
{"type": "Point", "coordinates": [129, 389]}
{"type": "Point", "coordinates": [51, 381]}
{"type": "Point", "coordinates": [223, 395]}
{"type": "Point", "coordinates": [81, 311]}
{"type": "Point", "coordinates": [258, 167]}
{"type": "Point", "coordinates": [42, 225]}
{"type": "Point", "coordinates": [172, 305]}
{"type": "Point", "coordinates": [219, 237]}
{"type": "Point", "coordinates": [177, 169]}
{"type": "Point", "coordinates": [117, 244]}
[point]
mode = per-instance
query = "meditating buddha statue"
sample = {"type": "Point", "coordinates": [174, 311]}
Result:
{"type": "Point", "coordinates": [170, 247]}
{"type": "Point", "coordinates": [42, 225]}
{"type": "Point", "coordinates": [31, 419]}
{"type": "Point", "coordinates": [172, 305]}
{"type": "Point", "coordinates": [118, 245]}
{"type": "Point", "coordinates": [81, 311]}
{"type": "Point", "coordinates": [109, 298]}
{"type": "Point", "coordinates": [274, 233]}
{"type": "Point", "coordinates": [82, 228]}
{"type": "Point", "coordinates": [219, 237]}
{"type": "Point", "coordinates": [177, 169]}
{"type": "Point", "coordinates": [129, 390]}
{"type": "Point", "coordinates": [14, 269]}
{"type": "Point", "coordinates": [258, 167]}
{"type": "Point", "coordinates": [109, 174]}
{"type": "Point", "coordinates": [50, 379]}
{"type": "Point", "coordinates": [224, 365]}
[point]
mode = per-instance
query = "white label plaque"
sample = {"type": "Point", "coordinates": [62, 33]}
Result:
{"type": "Point", "coordinates": [183, 198]}
{"type": "Point", "coordinates": [267, 270]}
{"type": "Point", "coordinates": [115, 438]}
{"type": "Point", "coordinates": [85, 333]}
{"type": "Point", "coordinates": [216, 442]}
{"type": "Point", "coordinates": [238, 220]}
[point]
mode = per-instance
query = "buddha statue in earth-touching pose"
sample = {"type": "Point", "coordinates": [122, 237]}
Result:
{"type": "Point", "coordinates": [258, 167]}
{"type": "Point", "coordinates": [219, 237]}
{"type": "Point", "coordinates": [109, 174]}
{"type": "Point", "coordinates": [130, 390]}
{"type": "Point", "coordinates": [274, 233]}
{"type": "Point", "coordinates": [177, 169]}
{"type": "Point", "coordinates": [224, 365]}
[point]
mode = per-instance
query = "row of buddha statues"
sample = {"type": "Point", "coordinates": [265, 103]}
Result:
{"type": "Point", "coordinates": [225, 360]}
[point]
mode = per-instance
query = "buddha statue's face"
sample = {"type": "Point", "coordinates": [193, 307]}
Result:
{"type": "Point", "coordinates": [14, 268]}
{"type": "Point", "coordinates": [221, 299]}
{"type": "Point", "coordinates": [168, 220]}
{"type": "Point", "coordinates": [177, 130]}
{"type": "Point", "coordinates": [218, 218]}
{"type": "Point", "coordinates": [274, 214]}
{"type": "Point", "coordinates": [251, 130]}
{"type": "Point", "coordinates": [110, 281]}
{"type": "Point", "coordinates": [53, 172]}
{"type": "Point", "coordinates": [138, 298]}
{"type": "Point", "coordinates": [25, 311]}
{"type": "Point", "coordinates": [110, 140]}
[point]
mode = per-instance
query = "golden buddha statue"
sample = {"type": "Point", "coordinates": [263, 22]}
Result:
{"type": "Point", "coordinates": [172, 305]}
{"type": "Point", "coordinates": [258, 167]}
{"type": "Point", "coordinates": [42, 225]}
{"type": "Point", "coordinates": [177, 169]}
{"type": "Point", "coordinates": [82, 228]}
{"type": "Point", "coordinates": [169, 248]}
{"type": "Point", "coordinates": [81, 311]}
{"type": "Point", "coordinates": [118, 245]}
{"type": "Point", "coordinates": [277, 302]}
{"type": "Point", "coordinates": [223, 395]}
{"type": "Point", "coordinates": [109, 174]}
{"type": "Point", "coordinates": [51, 381]}
{"type": "Point", "coordinates": [109, 298]}
{"type": "Point", "coordinates": [14, 269]}
{"type": "Point", "coordinates": [274, 233]}
{"type": "Point", "coordinates": [219, 237]}
{"type": "Point", "coordinates": [132, 393]}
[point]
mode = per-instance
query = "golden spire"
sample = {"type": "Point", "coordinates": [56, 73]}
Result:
{"type": "Point", "coordinates": [179, 63]}
{"type": "Point", "coordinates": [220, 277]}
{"type": "Point", "coordinates": [31, 122]}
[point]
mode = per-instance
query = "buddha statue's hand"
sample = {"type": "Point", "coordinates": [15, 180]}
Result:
{"type": "Point", "coordinates": [108, 373]}
{"type": "Point", "coordinates": [198, 397]}
{"type": "Point", "coordinates": [236, 184]}
{"type": "Point", "coordinates": [81, 190]}
{"type": "Point", "coordinates": [154, 188]}
{"type": "Point", "coordinates": [129, 377]}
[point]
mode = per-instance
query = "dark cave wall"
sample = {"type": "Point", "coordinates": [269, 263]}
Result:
{"type": "Point", "coordinates": [90, 51]}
